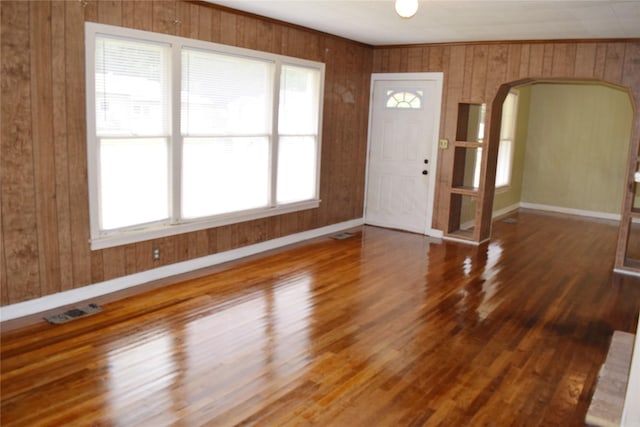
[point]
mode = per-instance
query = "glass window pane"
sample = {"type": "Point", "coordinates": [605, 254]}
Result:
{"type": "Point", "coordinates": [296, 169]}
{"type": "Point", "coordinates": [134, 182]}
{"type": "Point", "coordinates": [404, 99]}
{"type": "Point", "coordinates": [509, 109]}
{"type": "Point", "coordinates": [503, 168]}
{"type": "Point", "coordinates": [222, 175]}
{"type": "Point", "coordinates": [225, 95]}
{"type": "Point", "coordinates": [132, 88]}
{"type": "Point", "coordinates": [299, 98]}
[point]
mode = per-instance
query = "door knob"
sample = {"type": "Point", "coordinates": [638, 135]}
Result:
{"type": "Point", "coordinates": [425, 172]}
{"type": "Point", "coordinates": [426, 161]}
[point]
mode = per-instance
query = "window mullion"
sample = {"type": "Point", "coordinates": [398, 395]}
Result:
{"type": "Point", "coordinates": [175, 138]}
{"type": "Point", "coordinates": [275, 136]}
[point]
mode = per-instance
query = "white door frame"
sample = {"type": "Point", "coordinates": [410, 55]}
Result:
{"type": "Point", "coordinates": [436, 77]}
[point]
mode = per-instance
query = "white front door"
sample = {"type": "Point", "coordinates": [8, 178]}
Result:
{"type": "Point", "coordinates": [403, 146]}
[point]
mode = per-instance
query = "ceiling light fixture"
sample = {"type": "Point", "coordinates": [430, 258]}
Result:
{"type": "Point", "coordinates": [406, 8]}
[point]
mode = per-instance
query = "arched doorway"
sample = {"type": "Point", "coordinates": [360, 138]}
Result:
{"type": "Point", "coordinates": [625, 261]}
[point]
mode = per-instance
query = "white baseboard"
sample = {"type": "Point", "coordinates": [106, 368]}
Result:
{"type": "Point", "coordinates": [84, 293]}
{"type": "Point", "coordinates": [627, 273]}
{"type": "Point", "coordinates": [570, 211]}
{"type": "Point", "coordinates": [505, 211]}
{"type": "Point", "coordinates": [465, 241]}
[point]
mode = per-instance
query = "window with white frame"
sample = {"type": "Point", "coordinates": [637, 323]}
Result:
{"type": "Point", "coordinates": [504, 163]}
{"type": "Point", "coordinates": [507, 138]}
{"type": "Point", "coordinates": [185, 134]}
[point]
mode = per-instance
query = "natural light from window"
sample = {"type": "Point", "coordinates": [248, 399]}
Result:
{"type": "Point", "coordinates": [185, 134]}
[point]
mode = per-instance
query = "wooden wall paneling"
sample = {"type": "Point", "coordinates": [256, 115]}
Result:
{"type": "Point", "coordinates": [183, 14]}
{"type": "Point", "coordinates": [395, 60]}
{"type": "Point", "coordinates": [43, 147]}
{"type": "Point", "coordinates": [376, 61]}
{"type": "Point", "coordinates": [216, 30]}
{"type": "Point", "coordinates": [76, 139]}
{"type": "Point", "coordinates": [168, 249]}
{"type": "Point", "coordinates": [513, 67]}
{"type": "Point", "coordinates": [97, 267]}
{"type": "Point", "coordinates": [205, 18]}
{"type": "Point", "coordinates": [601, 58]}
{"type": "Point", "coordinates": [4, 290]}
{"type": "Point", "coordinates": [288, 223]}
{"type": "Point", "coordinates": [114, 264]}
{"type": "Point", "coordinates": [90, 9]}
{"type": "Point", "coordinates": [479, 75]}
{"type": "Point", "coordinates": [454, 94]}
{"type": "Point", "coordinates": [143, 16]}
{"type": "Point", "coordinates": [128, 13]}
{"type": "Point", "coordinates": [436, 58]}
{"type": "Point", "coordinates": [564, 60]}
{"type": "Point", "coordinates": [130, 266]}
{"type": "Point", "coordinates": [536, 54]}
{"type": "Point", "coordinates": [228, 28]}
{"type": "Point", "coordinates": [547, 59]}
{"type": "Point", "coordinates": [426, 58]}
{"type": "Point", "coordinates": [467, 79]}
{"type": "Point", "coordinates": [165, 19]}
{"type": "Point", "coordinates": [414, 59]}
{"type": "Point", "coordinates": [201, 243]}
{"type": "Point", "coordinates": [614, 62]}
{"type": "Point", "coordinates": [59, 86]}
{"type": "Point", "coordinates": [273, 226]}
{"type": "Point", "coordinates": [631, 72]}
{"type": "Point", "coordinates": [246, 32]}
{"type": "Point", "coordinates": [265, 36]}
{"type": "Point", "coordinates": [181, 243]}
{"type": "Point", "coordinates": [143, 256]}
{"type": "Point", "coordinates": [404, 61]}
{"type": "Point", "coordinates": [239, 234]}
{"type": "Point", "coordinates": [109, 12]}
{"type": "Point", "coordinates": [363, 101]}
{"type": "Point", "coordinates": [223, 239]}
{"type": "Point", "coordinates": [585, 60]}
{"type": "Point", "coordinates": [16, 171]}
{"type": "Point", "coordinates": [525, 58]}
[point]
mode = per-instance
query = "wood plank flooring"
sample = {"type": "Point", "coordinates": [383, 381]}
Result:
{"type": "Point", "coordinates": [382, 329]}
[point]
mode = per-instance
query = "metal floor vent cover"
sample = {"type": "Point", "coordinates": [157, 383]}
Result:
{"type": "Point", "coordinates": [74, 313]}
{"type": "Point", "coordinates": [510, 220]}
{"type": "Point", "coordinates": [342, 236]}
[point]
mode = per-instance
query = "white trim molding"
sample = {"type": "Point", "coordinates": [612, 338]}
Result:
{"type": "Point", "coordinates": [84, 293]}
{"type": "Point", "coordinates": [571, 211]}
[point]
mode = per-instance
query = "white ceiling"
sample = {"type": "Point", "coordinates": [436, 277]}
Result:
{"type": "Point", "coordinates": [375, 22]}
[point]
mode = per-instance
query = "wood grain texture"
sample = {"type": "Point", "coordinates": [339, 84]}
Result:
{"type": "Point", "coordinates": [44, 148]}
{"type": "Point", "coordinates": [44, 168]}
{"type": "Point", "coordinates": [384, 328]}
{"type": "Point", "coordinates": [45, 237]}
{"type": "Point", "coordinates": [476, 74]}
{"type": "Point", "coordinates": [19, 213]}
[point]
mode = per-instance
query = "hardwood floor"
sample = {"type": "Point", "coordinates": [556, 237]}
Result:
{"type": "Point", "coordinates": [384, 328]}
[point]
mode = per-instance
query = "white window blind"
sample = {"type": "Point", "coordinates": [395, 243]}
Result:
{"type": "Point", "coordinates": [226, 126]}
{"type": "Point", "coordinates": [298, 133]}
{"type": "Point", "coordinates": [131, 104]}
{"type": "Point", "coordinates": [507, 138]}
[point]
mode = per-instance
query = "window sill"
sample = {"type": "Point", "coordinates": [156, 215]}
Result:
{"type": "Point", "coordinates": [118, 238]}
